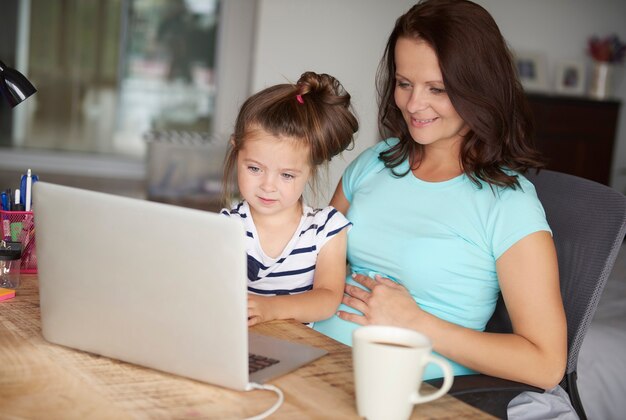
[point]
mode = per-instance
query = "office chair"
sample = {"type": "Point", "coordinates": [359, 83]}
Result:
{"type": "Point", "coordinates": [588, 222]}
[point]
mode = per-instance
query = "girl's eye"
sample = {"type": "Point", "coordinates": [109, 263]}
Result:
{"type": "Point", "coordinates": [287, 176]}
{"type": "Point", "coordinates": [254, 169]}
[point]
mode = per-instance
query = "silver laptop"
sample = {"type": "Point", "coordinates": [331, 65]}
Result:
{"type": "Point", "coordinates": [151, 284]}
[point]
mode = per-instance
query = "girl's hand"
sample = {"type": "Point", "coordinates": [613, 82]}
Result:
{"type": "Point", "coordinates": [258, 309]}
{"type": "Point", "coordinates": [385, 303]}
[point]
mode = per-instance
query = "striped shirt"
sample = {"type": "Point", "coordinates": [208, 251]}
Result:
{"type": "Point", "coordinates": [292, 271]}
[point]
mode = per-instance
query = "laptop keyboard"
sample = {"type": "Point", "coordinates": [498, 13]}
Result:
{"type": "Point", "coordinates": [257, 362]}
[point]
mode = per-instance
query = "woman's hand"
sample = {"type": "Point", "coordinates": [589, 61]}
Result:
{"type": "Point", "coordinates": [384, 303]}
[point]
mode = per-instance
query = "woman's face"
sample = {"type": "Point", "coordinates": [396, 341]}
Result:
{"type": "Point", "coordinates": [421, 96]}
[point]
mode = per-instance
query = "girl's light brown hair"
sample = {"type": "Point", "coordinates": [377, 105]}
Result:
{"type": "Point", "coordinates": [316, 111]}
{"type": "Point", "coordinates": [481, 81]}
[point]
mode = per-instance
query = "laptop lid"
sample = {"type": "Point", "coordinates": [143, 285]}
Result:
{"type": "Point", "coordinates": [148, 283]}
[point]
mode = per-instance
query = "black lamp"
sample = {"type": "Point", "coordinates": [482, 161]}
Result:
{"type": "Point", "coordinates": [14, 86]}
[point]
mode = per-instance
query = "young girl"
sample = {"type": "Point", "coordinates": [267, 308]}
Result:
{"type": "Point", "coordinates": [296, 254]}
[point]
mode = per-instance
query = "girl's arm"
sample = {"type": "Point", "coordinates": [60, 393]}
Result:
{"type": "Point", "coordinates": [535, 353]}
{"type": "Point", "coordinates": [315, 305]}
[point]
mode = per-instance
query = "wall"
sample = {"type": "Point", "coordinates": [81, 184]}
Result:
{"type": "Point", "coordinates": [560, 29]}
{"type": "Point", "coordinates": [343, 38]}
{"type": "Point", "coordinates": [346, 39]}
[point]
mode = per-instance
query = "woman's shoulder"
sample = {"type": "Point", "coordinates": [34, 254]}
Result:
{"type": "Point", "coordinates": [503, 199]}
{"type": "Point", "coordinates": [525, 184]}
{"type": "Point", "coordinates": [384, 145]}
{"type": "Point", "coordinates": [525, 188]}
{"type": "Point", "coordinates": [512, 199]}
{"type": "Point", "coordinates": [515, 213]}
{"type": "Point", "coordinates": [365, 165]}
{"type": "Point", "coordinates": [372, 152]}
{"type": "Point", "coordinates": [370, 157]}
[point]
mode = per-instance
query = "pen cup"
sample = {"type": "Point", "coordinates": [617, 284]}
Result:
{"type": "Point", "coordinates": [10, 259]}
{"type": "Point", "coordinates": [19, 226]}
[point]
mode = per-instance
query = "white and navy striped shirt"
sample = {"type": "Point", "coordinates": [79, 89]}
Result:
{"type": "Point", "coordinates": [292, 272]}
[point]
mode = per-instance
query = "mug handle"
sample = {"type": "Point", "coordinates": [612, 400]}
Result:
{"type": "Point", "coordinates": [448, 378]}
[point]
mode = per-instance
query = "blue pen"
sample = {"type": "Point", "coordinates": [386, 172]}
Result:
{"type": "Point", "coordinates": [6, 223]}
{"type": "Point", "coordinates": [5, 201]}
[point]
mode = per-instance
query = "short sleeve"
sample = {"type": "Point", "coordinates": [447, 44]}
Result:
{"type": "Point", "coordinates": [517, 214]}
{"type": "Point", "coordinates": [330, 222]}
{"type": "Point", "coordinates": [363, 165]}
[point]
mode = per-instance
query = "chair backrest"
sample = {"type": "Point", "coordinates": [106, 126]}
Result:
{"type": "Point", "coordinates": [588, 222]}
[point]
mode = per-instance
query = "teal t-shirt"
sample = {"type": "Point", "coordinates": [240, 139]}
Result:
{"type": "Point", "coordinates": [440, 240]}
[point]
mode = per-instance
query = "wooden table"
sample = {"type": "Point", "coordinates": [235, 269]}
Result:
{"type": "Point", "coordinates": [43, 380]}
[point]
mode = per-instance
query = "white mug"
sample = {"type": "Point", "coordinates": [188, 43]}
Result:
{"type": "Point", "coordinates": [388, 366]}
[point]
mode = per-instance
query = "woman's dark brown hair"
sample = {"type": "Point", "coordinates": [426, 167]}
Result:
{"type": "Point", "coordinates": [481, 81]}
{"type": "Point", "coordinates": [316, 112]}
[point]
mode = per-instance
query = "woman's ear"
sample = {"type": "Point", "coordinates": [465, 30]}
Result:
{"type": "Point", "coordinates": [231, 141]}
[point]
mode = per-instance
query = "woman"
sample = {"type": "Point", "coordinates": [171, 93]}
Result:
{"type": "Point", "coordinates": [443, 219]}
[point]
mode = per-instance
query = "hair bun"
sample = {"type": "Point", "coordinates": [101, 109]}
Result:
{"type": "Point", "coordinates": [323, 87]}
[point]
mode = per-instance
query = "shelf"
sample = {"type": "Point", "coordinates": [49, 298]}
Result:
{"type": "Point", "coordinates": [576, 134]}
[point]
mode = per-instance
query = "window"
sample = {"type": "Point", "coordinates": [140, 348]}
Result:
{"type": "Point", "coordinates": [108, 71]}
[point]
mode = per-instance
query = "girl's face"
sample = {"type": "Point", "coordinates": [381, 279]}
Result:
{"type": "Point", "coordinates": [421, 96]}
{"type": "Point", "coordinates": [272, 173]}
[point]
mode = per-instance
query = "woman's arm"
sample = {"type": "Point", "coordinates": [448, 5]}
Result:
{"type": "Point", "coordinates": [535, 353]}
{"type": "Point", "coordinates": [339, 200]}
{"type": "Point", "coordinates": [315, 305]}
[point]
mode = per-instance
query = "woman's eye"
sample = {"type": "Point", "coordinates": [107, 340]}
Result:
{"type": "Point", "coordinates": [437, 91]}
{"type": "Point", "coordinates": [287, 176]}
{"type": "Point", "coordinates": [403, 85]}
{"type": "Point", "coordinates": [254, 169]}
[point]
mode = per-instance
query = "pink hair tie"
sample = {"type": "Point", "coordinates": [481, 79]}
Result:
{"type": "Point", "coordinates": [299, 98]}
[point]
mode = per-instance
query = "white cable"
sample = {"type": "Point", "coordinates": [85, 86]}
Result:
{"type": "Point", "coordinates": [273, 408]}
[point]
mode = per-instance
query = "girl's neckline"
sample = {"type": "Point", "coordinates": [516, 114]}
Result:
{"type": "Point", "coordinates": [288, 246]}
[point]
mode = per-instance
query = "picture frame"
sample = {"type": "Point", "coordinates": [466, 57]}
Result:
{"type": "Point", "coordinates": [570, 77]}
{"type": "Point", "coordinates": [532, 70]}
